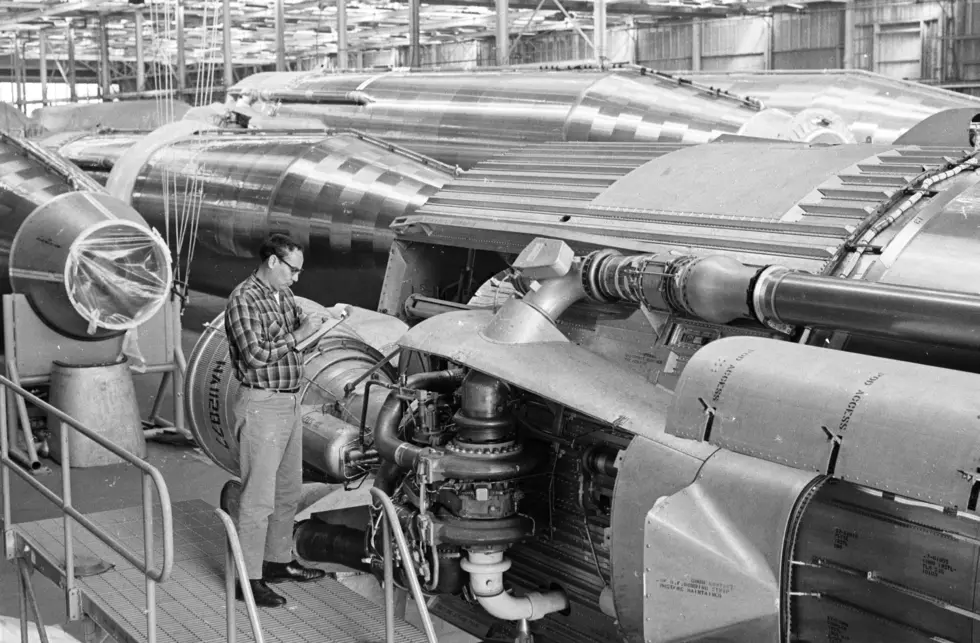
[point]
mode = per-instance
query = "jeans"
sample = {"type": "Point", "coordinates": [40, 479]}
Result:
{"type": "Point", "coordinates": [270, 434]}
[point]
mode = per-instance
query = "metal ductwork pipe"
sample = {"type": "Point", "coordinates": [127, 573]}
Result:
{"type": "Point", "coordinates": [87, 263]}
{"type": "Point", "coordinates": [720, 289]}
{"type": "Point", "coordinates": [464, 118]}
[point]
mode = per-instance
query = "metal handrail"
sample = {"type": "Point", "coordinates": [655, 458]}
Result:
{"type": "Point", "coordinates": [149, 473]}
{"type": "Point", "coordinates": [163, 493]}
{"type": "Point", "coordinates": [235, 560]}
{"type": "Point", "coordinates": [390, 525]}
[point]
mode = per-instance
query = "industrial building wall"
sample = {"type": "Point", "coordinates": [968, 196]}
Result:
{"type": "Point", "coordinates": [923, 41]}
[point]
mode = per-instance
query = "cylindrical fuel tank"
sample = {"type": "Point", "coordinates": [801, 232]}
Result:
{"type": "Point", "coordinates": [87, 263]}
{"type": "Point", "coordinates": [875, 108]}
{"type": "Point", "coordinates": [335, 383]}
{"type": "Point", "coordinates": [336, 194]}
{"type": "Point", "coordinates": [464, 118]}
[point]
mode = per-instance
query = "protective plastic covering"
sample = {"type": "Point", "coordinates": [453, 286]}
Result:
{"type": "Point", "coordinates": [118, 275]}
{"type": "Point", "coordinates": [137, 114]}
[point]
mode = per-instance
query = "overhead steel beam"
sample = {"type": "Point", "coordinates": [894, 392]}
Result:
{"type": "Point", "coordinates": [56, 10]}
{"type": "Point", "coordinates": [628, 7]}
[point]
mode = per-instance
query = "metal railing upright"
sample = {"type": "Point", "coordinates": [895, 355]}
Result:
{"type": "Point", "coordinates": [151, 477]}
{"type": "Point", "coordinates": [389, 526]}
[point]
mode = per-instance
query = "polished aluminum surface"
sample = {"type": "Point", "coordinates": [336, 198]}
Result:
{"type": "Point", "coordinates": [337, 194]}
{"type": "Point", "coordinates": [86, 262]}
{"type": "Point", "coordinates": [94, 152]}
{"type": "Point", "coordinates": [464, 118]}
{"type": "Point", "coordinates": [877, 109]}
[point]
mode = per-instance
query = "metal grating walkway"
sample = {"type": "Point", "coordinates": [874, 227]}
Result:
{"type": "Point", "coordinates": [191, 605]}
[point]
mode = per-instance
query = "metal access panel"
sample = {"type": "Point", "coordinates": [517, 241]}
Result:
{"type": "Point", "coordinates": [191, 605]}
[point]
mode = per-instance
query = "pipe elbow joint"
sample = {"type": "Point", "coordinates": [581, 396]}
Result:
{"type": "Point", "coordinates": [531, 607]}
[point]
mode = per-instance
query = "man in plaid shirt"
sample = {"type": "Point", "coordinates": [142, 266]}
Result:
{"type": "Point", "coordinates": [263, 325]}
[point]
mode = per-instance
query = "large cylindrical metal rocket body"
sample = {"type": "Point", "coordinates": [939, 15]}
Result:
{"type": "Point", "coordinates": [337, 194]}
{"type": "Point", "coordinates": [87, 263]}
{"type": "Point", "coordinates": [464, 118]}
{"type": "Point", "coordinates": [876, 108]}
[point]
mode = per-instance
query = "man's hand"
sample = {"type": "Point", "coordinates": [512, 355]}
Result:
{"type": "Point", "coordinates": [307, 326]}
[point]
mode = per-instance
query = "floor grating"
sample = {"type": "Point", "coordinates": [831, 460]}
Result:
{"type": "Point", "coordinates": [191, 605]}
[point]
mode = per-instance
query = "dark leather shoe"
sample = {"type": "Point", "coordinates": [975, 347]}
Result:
{"type": "Point", "coordinates": [263, 594]}
{"type": "Point", "coordinates": [280, 572]}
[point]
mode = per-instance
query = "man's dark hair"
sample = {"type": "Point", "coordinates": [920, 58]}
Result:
{"type": "Point", "coordinates": [279, 245]}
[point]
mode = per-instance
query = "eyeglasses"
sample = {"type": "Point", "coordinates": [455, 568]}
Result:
{"type": "Point", "coordinates": [296, 271]}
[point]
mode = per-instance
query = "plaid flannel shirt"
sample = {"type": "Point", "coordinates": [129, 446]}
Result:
{"type": "Point", "coordinates": [260, 335]}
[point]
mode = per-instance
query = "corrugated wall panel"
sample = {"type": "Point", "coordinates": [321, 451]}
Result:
{"type": "Point", "coordinates": [734, 37]}
{"type": "Point", "coordinates": [808, 59]}
{"type": "Point", "coordinates": [734, 44]}
{"type": "Point", "coordinates": [820, 29]}
{"type": "Point", "coordinates": [665, 48]}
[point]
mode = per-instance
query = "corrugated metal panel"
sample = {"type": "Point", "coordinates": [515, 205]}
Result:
{"type": "Point", "coordinates": [665, 47]}
{"type": "Point", "coordinates": [734, 36]}
{"type": "Point", "coordinates": [551, 47]}
{"type": "Point", "coordinates": [808, 59]}
{"type": "Point", "coordinates": [735, 44]}
{"type": "Point", "coordinates": [751, 62]}
{"type": "Point", "coordinates": [818, 30]}
{"type": "Point", "coordinates": [899, 50]}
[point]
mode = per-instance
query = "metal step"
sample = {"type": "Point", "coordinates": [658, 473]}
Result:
{"type": "Point", "coordinates": [191, 605]}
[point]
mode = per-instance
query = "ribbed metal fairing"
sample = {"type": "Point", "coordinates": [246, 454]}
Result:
{"type": "Point", "coordinates": [463, 118]}
{"type": "Point", "coordinates": [728, 197]}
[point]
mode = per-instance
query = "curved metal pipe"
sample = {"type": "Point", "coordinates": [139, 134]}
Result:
{"type": "Point", "coordinates": [386, 439]}
{"type": "Point", "coordinates": [486, 570]}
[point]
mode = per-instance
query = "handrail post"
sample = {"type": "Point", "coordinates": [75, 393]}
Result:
{"type": "Point", "coordinates": [235, 560]}
{"type": "Point", "coordinates": [151, 586]}
{"type": "Point", "coordinates": [8, 544]}
{"type": "Point", "coordinates": [389, 582]}
{"type": "Point", "coordinates": [72, 606]}
{"type": "Point", "coordinates": [413, 582]}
